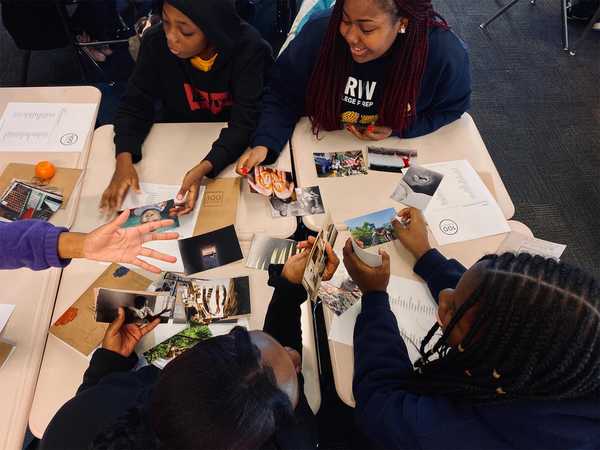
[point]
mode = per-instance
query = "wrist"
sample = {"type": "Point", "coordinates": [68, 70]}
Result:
{"type": "Point", "coordinates": [204, 167]}
{"type": "Point", "coordinates": [420, 251]}
{"type": "Point", "coordinates": [124, 159]}
{"type": "Point", "coordinates": [71, 245]}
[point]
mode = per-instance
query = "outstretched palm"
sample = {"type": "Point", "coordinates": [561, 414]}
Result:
{"type": "Point", "coordinates": [112, 243]}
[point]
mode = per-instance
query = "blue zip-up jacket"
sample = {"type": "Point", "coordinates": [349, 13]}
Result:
{"type": "Point", "coordinates": [394, 418]}
{"type": "Point", "coordinates": [445, 89]}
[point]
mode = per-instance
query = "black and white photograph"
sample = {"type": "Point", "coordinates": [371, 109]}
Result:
{"type": "Point", "coordinates": [141, 308]}
{"type": "Point", "coordinates": [266, 250]}
{"type": "Point", "coordinates": [318, 259]}
{"type": "Point", "coordinates": [207, 251]}
{"type": "Point", "coordinates": [417, 187]}
{"type": "Point", "coordinates": [390, 159]}
{"type": "Point", "coordinates": [305, 202]}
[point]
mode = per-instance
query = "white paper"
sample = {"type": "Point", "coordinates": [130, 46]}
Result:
{"type": "Point", "coordinates": [414, 308]}
{"type": "Point", "coordinates": [462, 208]}
{"type": "Point", "coordinates": [519, 243]}
{"type": "Point", "coordinates": [5, 313]}
{"type": "Point", "coordinates": [154, 193]}
{"type": "Point", "coordinates": [370, 259]}
{"type": "Point", "coordinates": [52, 127]}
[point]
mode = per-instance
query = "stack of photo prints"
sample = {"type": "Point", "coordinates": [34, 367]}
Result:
{"type": "Point", "coordinates": [284, 199]}
{"type": "Point", "coordinates": [340, 164]}
{"type": "Point", "coordinates": [25, 200]}
{"type": "Point", "coordinates": [317, 259]}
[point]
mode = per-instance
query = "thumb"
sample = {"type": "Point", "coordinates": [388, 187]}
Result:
{"type": "Point", "coordinates": [135, 183]}
{"type": "Point", "coordinates": [120, 220]}
{"type": "Point", "coordinates": [185, 187]}
{"type": "Point", "coordinates": [116, 325]}
{"type": "Point", "coordinates": [385, 257]}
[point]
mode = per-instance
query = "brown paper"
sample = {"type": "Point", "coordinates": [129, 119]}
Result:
{"type": "Point", "coordinates": [64, 179]}
{"type": "Point", "coordinates": [77, 326]}
{"type": "Point", "coordinates": [5, 351]}
{"type": "Point", "coordinates": [219, 205]}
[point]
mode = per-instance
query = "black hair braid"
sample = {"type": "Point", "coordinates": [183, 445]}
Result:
{"type": "Point", "coordinates": [536, 334]}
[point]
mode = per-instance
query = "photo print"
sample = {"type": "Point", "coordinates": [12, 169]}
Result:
{"type": "Point", "coordinates": [207, 251]}
{"type": "Point", "coordinates": [373, 229]}
{"type": "Point", "coordinates": [266, 250]}
{"type": "Point", "coordinates": [417, 187]}
{"type": "Point", "coordinates": [27, 201]}
{"type": "Point", "coordinates": [390, 159]}
{"type": "Point", "coordinates": [167, 351]}
{"type": "Point", "coordinates": [340, 164]}
{"type": "Point", "coordinates": [317, 260]}
{"type": "Point", "coordinates": [304, 202]}
{"type": "Point", "coordinates": [339, 299]}
{"type": "Point", "coordinates": [153, 213]}
{"type": "Point", "coordinates": [271, 183]}
{"type": "Point", "coordinates": [206, 301]}
{"type": "Point", "coordinates": [141, 308]}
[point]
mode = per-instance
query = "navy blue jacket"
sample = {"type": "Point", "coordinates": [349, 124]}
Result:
{"type": "Point", "coordinates": [396, 419]}
{"type": "Point", "coordinates": [445, 89]}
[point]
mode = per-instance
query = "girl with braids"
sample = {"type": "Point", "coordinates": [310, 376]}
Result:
{"type": "Point", "coordinates": [517, 365]}
{"type": "Point", "coordinates": [374, 67]}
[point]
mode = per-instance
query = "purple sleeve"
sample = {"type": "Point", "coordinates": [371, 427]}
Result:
{"type": "Point", "coordinates": [30, 243]}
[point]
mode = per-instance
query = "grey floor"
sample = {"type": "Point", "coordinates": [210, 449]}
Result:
{"type": "Point", "coordinates": [537, 108]}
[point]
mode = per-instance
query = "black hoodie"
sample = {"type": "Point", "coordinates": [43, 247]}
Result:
{"type": "Point", "coordinates": [229, 92]}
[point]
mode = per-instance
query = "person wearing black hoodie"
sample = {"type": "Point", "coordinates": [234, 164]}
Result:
{"type": "Point", "coordinates": [202, 64]}
{"type": "Point", "coordinates": [240, 391]}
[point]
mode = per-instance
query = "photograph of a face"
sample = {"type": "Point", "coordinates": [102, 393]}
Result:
{"type": "Point", "coordinates": [206, 301]}
{"type": "Point", "coordinates": [304, 202]}
{"type": "Point", "coordinates": [207, 251]}
{"type": "Point", "coordinates": [317, 260]}
{"type": "Point", "coordinates": [167, 351]}
{"type": "Point", "coordinates": [141, 308]}
{"type": "Point", "coordinates": [340, 164]}
{"type": "Point", "coordinates": [390, 159]}
{"type": "Point", "coordinates": [271, 183]}
{"type": "Point", "coordinates": [373, 229]}
{"type": "Point", "coordinates": [153, 213]}
{"type": "Point", "coordinates": [266, 250]}
{"type": "Point", "coordinates": [25, 201]}
{"type": "Point", "coordinates": [417, 187]}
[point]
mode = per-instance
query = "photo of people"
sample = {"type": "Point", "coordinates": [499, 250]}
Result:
{"type": "Point", "coordinates": [318, 259]}
{"type": "Point", "coordinates": [210, 250]}
{"type": "Point", "coordinates": [340, 164]}
{"type": "Point", "coordinates": [141, 308]}
{"type": "Point", "coordinates": [266, 250]}
{"type": "Point", "coordinates": [271, 183]}
{"type": "Point", "coordinates": [304, 202]}
{"type": "Point", "coordinates": [152, 213]}
{"type": "Point", "coordinates": [417, 187]}
{"type": "Point", "coordinates": [25, 201]}
{"type": "Point", "coordinates": [170, 349]}
{"type": "Point", "coordinates": [207, 301]}
{"type": "Point", "coordinates": [373, 229]}
{"type": "Point", "coordinates": [390, 159]}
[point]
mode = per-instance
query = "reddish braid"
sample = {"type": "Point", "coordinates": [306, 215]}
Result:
{"type": "Point", "coordinates": [403, 82]}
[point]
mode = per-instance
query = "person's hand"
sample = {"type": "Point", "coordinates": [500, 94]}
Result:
{"type": "Point", "coordinates": [122, 338]}
{"type": "Point", "coordinates": [263, 180]}
{"type": "Point", "coordinates": [371, 133]}
{"type": "Point", "coordinates": [111, 243]}
{"type": "Point", "coordinates": [413, 233]}
{"type": "Point", "coordinates": [191, 186]}
{"type": "Point", "coordinates": [367, 278]}
{"type": "Point", "coordinates": [250, 159]}
{"type": "Point", "coordinates": [294, 267]}
{"type": "Point", "coordinates": [281, 187]}
{"type": "Point", "coordinates": [125, 177]}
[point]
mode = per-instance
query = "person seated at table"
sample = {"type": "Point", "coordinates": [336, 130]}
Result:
{"type": "Point", "coordinates": [377, 68]}
{"type": "Point", "coordinates": [202, 64]}
{"type": "Point", "coordinates": [243, 390]}
{"type": "Point", "coordinates": [40, 245]}
{"type": "Point", "coordinates": [517, 365]}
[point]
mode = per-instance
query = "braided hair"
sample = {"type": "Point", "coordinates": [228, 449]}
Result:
{"type": "Point", "coordinates": [536, 335]}
{"type": "Point", "coordinates": [401, 89]}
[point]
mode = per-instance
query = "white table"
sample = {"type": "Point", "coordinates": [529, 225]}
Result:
{"type": "Point", "coordinates": [33, 293]}
{"type": "Point", "coordinates": [348, 197]}
{"type": "Point", "coordinates": [402, 263]}
{"type": "Point", "coordinates": [62, 367]}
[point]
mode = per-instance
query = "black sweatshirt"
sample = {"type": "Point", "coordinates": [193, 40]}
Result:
{"type": "Point", "coordinates": [110, 388]}
{"type": "Point", "coordinates": [229, 92]}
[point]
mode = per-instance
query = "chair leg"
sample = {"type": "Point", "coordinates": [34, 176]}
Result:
{"type": "Point", "coordinates": [498, 14]}
{"type": "Point", "coordinates": [587, 29]}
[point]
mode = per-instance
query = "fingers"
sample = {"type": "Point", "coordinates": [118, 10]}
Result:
{"type": "Point", "coordinates": [115, 326]}
{"type": "Point", "coordinates": [157, 255]}
{"type": "Point", "coordinates": [151, 226]}
{"type": "Point", "coordinates": [160, 236]}
{"type": "Point", "coordinates": [120, 220]}
{"type": "Point", "coordinates": [190, 202]}
{"type": "Point", "coordinates": [332, 263]}
{"type": "Point", "coordinates": [241, 168]}
{"type": "Point", "coordinates": [352, 129]}
{"type": "Point", "coordinates": [135, 183]}
{"type": "Point", "coordinates": [147, 328]}
{"type": "Point", "coordinates": [308, 243]}
{"type": "Point", "coordinates": [349, 255]}
{"type": "Point", "coordinates": [117, 199]}
{"type": "Point", "coordinates": [146, 266]}
{"type": "Point", "coordinates": [386, 259]}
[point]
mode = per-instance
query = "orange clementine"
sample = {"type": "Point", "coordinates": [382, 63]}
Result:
{"type": "Point", "coordinates": [44, 170]}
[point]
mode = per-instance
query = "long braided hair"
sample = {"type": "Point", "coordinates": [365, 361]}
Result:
{"type": "Point", "coordinates": [536, 335]}
{"type": "Point", "coordinates": [403, 83]}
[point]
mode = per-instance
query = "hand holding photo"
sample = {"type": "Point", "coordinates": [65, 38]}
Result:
{"type": "Point", "coordinates": [141, 308]}
{"type": "Point", "coordinates": [390, 159]}
{"type": "Point", "coordinates": [271, 182]}
{"type": "Point", "coordinates": [317, 259]}
{"type": "Point", "coordinates": [340, 164]}
{"type": "Point", "coordinates": [153, 213]}
{"type": "Point", "coordinates": [373, 229]}
{"type": "Point", "coordinates": [417, 187]}
{"type": "Point", "coordinates": [304, 202]}
{"type": "Point", "coordinates": [370, 259]}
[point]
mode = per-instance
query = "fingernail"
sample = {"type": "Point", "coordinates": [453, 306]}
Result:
{"type": "Point", "coordinates": [179, 197]}
{"type": "Point", "coordinates": [370, 128]}
{"type": "Point", "coordinates": [244, 171]}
